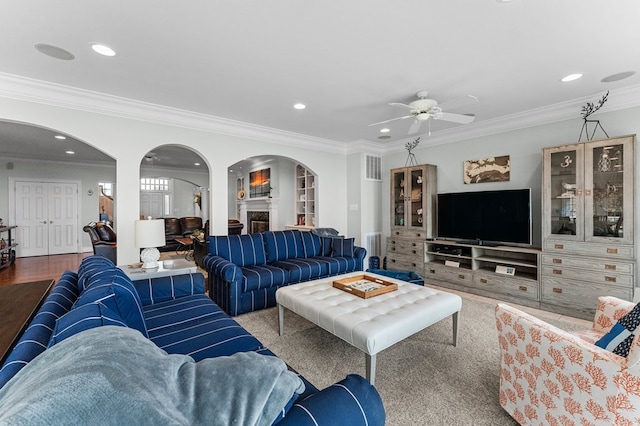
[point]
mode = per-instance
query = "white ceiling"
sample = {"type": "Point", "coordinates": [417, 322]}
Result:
{"type": "Point", "coordinates": [251, 60]}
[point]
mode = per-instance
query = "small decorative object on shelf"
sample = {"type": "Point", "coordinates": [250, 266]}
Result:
{"type": "Point", "coordinates": [411, 158]}
{"type": "Point", "coordinates": [589, 109]}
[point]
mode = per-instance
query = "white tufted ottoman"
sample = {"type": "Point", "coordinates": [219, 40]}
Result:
{"type": "Point", "coordinates": [372, 324]}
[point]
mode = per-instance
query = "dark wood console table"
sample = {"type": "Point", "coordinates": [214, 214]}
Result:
{"type": "Point", "coordinates": [18, 305]}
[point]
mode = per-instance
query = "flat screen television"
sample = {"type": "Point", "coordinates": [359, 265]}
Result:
{"type": "Point", "coordinates": [485, 217]}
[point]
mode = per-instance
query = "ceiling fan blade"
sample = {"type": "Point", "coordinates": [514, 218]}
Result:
{"type": "Point", "coordinates": [457, 118]}
{"type": "Point", "coordinates": [401, 105]}
{"type": "Point", "coordinates": [459, 102]}
{"type": "Point", "coordinates": [415, 127]}
{"type": "Point", "coordinates": [393, 119]}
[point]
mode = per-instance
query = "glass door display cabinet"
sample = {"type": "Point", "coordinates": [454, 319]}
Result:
{"type": "Point", "coordinates": [588, 191]}
{"type": "Point", "coordinates": [412, 193]}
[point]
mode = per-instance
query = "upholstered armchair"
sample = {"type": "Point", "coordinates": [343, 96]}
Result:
{"type": "Point", "coordinates": [551, 377]}
{"type": "Point", "coordinates": [103, 240]}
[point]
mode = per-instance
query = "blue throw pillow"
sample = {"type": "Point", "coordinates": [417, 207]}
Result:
{"type": "Point", "coordinates": [342, 247]}
{"type": "Point", "coordinates": [83, 318]}
{"type": "Point", "coordinates": [618, 340]}
{"type": "Point", "coordinates": [119, 295]}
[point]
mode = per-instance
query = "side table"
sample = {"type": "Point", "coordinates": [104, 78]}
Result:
{"type": "Point", "coordinates": [200, 250]}
{"type": "Point", "coordinates": [166, 268]}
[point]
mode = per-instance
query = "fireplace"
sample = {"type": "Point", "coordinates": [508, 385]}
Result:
{"type": "Point", "coordinates": [257, 222]}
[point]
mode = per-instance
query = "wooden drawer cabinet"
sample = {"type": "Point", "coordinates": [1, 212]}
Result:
{"type": "Point", "coordinates": [596, 277]}
{"type": "Point", "coordinates": [580, 294]}
{"type": "Point", "coordinates": [608, 265]}
{"type": "Point", "coordinates": [517, 287]}
{"type": "Point", "coordinates": [589, 249]}
{"type": "Point", "coordinates": [461, 276]}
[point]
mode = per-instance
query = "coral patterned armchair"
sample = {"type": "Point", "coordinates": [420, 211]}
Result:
{"type": "Point", "coordinates": [552, 377]}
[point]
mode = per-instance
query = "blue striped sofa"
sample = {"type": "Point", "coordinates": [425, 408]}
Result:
{"type": "Point", "coordinates": [176, 315]}
{"type": "Point", "coordinates": [244, 271]}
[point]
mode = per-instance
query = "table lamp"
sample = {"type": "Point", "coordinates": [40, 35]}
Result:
{"type": "Point", "coordinates": [149, 235]}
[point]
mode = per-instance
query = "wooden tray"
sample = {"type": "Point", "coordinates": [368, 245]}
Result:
{"type": "Point", "coordinates": [365, 286]}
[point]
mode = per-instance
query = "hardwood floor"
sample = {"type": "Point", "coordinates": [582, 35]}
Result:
{"type": "Point", "coordinates": [38, 268]}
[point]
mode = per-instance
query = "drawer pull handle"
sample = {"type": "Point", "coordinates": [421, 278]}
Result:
{"type": "Point", "coordinates": [393, 261]}
{"type": "Point", "coordinates": [610, 267]}
{"type": "Point", "coordinates": [557, 271]}
{"type": "Point", "coordinates": [523, 288]}
{"type": "Point", "coordinates": [393, 249]}
{"type": "Point", "coordinates": [610, 279]}
{"type": "Point", "coordinates": [559, 246]}
{"type": "Point", "coordinates": [461, 276]}
{"type": "Point", "coordinates": [557, 260]}
{"type": "Point", "coordinates": [413, 244]}
{"type": "Point", "coordinates": [414, 265]}
{"type": "Point", "coordinates": [483, 280]}
{"type": "Point", "coordinates": [432, 271]}
{"type": "Point", "coordinates": [557, 290]}
{"type": "Point", "coordinates": [612, 250]}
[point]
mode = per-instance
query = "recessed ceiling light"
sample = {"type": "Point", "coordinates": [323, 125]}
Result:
{"type": "Point", "coordinates": [617, 77]}
{"type": "Point", "coordinates": [196, 164]}
{"type": "Point", "coordinates": [69, 152]}
{"type": "Point", "coordinates": [60, 137]}
{"type": "Point", "coordinates": [103, 49]}
{"type": "Point", "coordinates": [385, 130]}
{"type": "Point", "coordinates": [54, 52]}
{"type": "Point", "coordinates": [570, 77]}
{"type": "Point", "coordinates": [299, 106]}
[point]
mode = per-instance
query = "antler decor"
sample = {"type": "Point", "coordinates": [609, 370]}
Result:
{"type": "Point", "coordinates": [411, 158]}
{"type": "Point", "coordinates": [589, 109]}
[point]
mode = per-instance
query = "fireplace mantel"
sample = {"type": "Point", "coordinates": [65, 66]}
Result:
{"type": "Point", "coordinates": [260, 204]}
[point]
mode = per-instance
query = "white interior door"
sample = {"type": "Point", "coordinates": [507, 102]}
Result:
{"type": "Point", "coordinates": [47, 218]}
{"type": "Point", "coordinates": [152, 204]}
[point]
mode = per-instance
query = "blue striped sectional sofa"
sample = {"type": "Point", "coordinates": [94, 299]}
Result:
{"type": "Point", "coordinates": [244, 271]}
{"type": "Point", "coordinates": [177, 316]}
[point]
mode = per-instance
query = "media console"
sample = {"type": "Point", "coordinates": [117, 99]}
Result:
{"type": "Point", "coordinates": [501, 272]}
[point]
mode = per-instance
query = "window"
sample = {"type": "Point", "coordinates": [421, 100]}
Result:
{"type": "Point", "coordinates": [154, 184]}
{"type": "Point", "coordinates": [107, 188]}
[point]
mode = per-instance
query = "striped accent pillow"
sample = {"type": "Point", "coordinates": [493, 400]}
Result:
{"type": "Point", "coordinates": [242, 250]}
{"type": "Point", "coordinates": [342, 247]}
{"type": "Point", "coordinates": [83, 318]}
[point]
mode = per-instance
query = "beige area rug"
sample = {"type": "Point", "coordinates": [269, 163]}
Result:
{"type": "Point", "coordinates": [423, 380]}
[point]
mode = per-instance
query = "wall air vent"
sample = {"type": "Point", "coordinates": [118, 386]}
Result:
{"type": "Point", "coordinates": [373, 167]}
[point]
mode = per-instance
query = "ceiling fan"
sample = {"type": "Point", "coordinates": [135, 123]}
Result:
{"type": "Point", "coordinates": [424, 108]}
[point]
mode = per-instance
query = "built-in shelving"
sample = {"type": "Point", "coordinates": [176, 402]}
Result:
{"type": "Point", "coordinates": [305, 197]}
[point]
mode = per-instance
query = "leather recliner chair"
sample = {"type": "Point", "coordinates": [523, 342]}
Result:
{"type": "Point", "coordinates": [103, 240]}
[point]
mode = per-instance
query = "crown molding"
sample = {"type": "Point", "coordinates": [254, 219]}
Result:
{"type": "Point", "coordinates": [42, 92]}
{"type": "Point", "coordinates": [628, 97]}
{"type": "Point", "coordinates": [31, 160]}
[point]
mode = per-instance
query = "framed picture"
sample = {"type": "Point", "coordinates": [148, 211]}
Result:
{"type": "Point", "coordinates": [492, 169]}
{"type": "Point", "coordinates": [260, 183]}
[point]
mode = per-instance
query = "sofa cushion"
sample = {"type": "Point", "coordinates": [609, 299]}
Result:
{"type": "Point", "coordinates": [263, 276]}
{"type": "Point", "coordinates": [243, 250]}
{"type": "Point", "coordinates": [619, 339]}
{"type": "Point", "coordinates": [339, 265]}
{"type": "Point", "coordinates": [89, 267]}
{"type": "Point", "coordinates": [192, 325]}
{"type": "Point", "coordinates": [303, 269]}
{"type": "Point", "coordinates": [342, 247]}
{"type": "Point", "coordinates": [312, 244]}
{"type": "Point", "coordinates": [281, 245]}
{"type": "Point", "coordinates": [83, 318]}
{"type": "Point", "coordinates": [119, 294]}
{"type": "Point", "coordinates": [327, 245]}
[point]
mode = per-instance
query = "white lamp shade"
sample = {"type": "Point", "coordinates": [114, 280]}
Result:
{"type": "Point", "coordinates": [149, 233]}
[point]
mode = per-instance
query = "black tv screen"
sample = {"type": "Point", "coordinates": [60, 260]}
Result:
{"type": "Point", "coordinates": [486, 216]}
